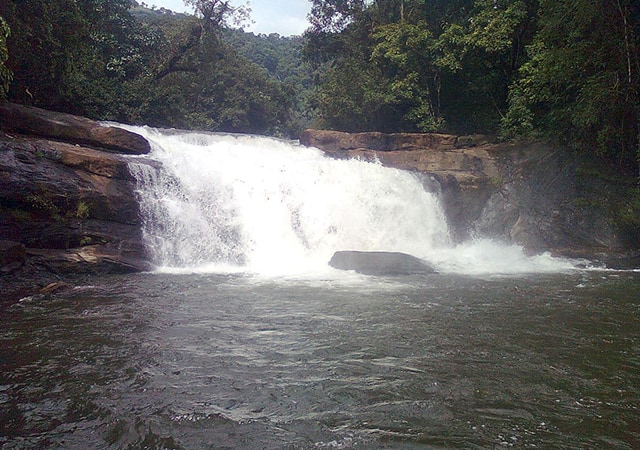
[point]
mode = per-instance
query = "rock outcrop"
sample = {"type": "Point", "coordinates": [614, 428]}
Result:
{"type": "Point", "coordinates": [69, 202]}
{"type": "Point", "coordinates": [530, 194]}
{"type": "Point", "coordinates": [32, 121]}
{"type": "Point", "coordinates": [12, 256]}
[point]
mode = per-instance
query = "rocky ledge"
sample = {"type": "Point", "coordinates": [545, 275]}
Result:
{"type": "Point", "coordinates": [67, 198]}
{"type": "Point", "coordinates": [32, 121]}
{"type": "Point", "coordinates": [528, 193]}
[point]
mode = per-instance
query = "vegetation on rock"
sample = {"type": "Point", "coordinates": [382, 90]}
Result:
{"type": "Point", "coordinates": [5, 73]}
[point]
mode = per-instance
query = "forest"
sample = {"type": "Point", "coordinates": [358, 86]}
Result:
{"type": "Point", "coordinates": [567, 71]}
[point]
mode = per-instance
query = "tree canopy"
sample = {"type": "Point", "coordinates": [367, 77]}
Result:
{"type": "Point", "coordinates": [580, 83]}
{"type": "Point", "coordinates": [561, 69]}
{"type": "Point", "coordinates": [566, 70]}
{"type": "Point", "coordinates": [116, 60]}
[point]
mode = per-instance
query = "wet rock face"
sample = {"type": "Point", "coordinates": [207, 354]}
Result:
{"type": "Point", "coordinates": [529, 194]}
{"type": "Point", "coordinates": [72, 207]}
{"type": "Point", "coordinates": [12, 256]}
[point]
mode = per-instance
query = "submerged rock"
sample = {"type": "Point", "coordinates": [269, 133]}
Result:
{"type": "Point", "coordinates": [379, 263]}
{"type": "Point", "coordinates": [55, 287]}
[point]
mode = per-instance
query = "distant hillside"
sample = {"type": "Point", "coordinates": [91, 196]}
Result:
{"type": "Point", "coordinates": [279, 56]}
{"type": "Point", "coordinates": [142, 12]}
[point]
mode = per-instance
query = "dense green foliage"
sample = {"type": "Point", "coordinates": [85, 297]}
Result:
{"type": "Point", "coordinates": [428, 65]}
{"type": "Point", "coordinates": [581, 82]}
{"type": "Point", "coordinates": [114, 60]}
{"type": "Point", "coordinates": [281, 58]}
{"type": "Point", "coordinates": [563, 69]}
{"type": "Point", "coordinates": [566, 70]}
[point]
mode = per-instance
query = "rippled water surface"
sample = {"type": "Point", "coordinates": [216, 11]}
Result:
{"type": "Point", "coordinates": [231, 361]}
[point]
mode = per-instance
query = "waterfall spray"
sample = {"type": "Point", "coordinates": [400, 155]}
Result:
{"type": "Point", "coordinates": [263, 205]}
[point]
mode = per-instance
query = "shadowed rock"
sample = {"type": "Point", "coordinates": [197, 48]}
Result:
{"type": "Point", "coordinates": [379, 263]}
{"type": "Point", "coordinates": [12, 255]}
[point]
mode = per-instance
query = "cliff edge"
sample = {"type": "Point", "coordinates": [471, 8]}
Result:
{"type": "Point", "coordinates": [526, 193]}
{"type": "Point", "coordinates": [67, 198]}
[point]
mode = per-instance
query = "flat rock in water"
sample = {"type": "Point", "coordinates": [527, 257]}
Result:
{"type": "Point", "coordinates": [379, 263]}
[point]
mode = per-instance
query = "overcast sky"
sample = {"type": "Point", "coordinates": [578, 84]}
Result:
{"type": "Point", "coordinates": [285, 17]}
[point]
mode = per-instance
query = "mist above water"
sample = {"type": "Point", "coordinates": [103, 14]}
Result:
{"type": "Point", "coordinates": [272, 207]}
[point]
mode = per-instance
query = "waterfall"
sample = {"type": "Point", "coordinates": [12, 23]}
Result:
{"type": "Point", "coordinates": [262, 205]}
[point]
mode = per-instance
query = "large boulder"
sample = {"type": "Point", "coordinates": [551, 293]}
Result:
{"type": "Point", "coordinates": [379, 263]}
{"type": "Point", "coordinates": [34, 121]}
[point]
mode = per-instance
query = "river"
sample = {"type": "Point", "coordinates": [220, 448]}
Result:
{"type": "Point", "coordinates": [236, 361]}
{"type": "Point", "coordinates": [244, 337]}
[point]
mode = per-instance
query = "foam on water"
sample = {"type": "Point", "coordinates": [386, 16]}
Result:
{"type": "Point", "coordinates": [239, 203]}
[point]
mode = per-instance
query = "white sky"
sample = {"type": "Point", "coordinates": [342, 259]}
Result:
{"type": "Point", "coordinates": [285, 17]}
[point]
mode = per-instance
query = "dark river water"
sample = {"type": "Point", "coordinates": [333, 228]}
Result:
{"type": "Point", "coordinates": [232, 361]}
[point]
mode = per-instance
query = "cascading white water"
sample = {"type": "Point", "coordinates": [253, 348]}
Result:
{"type": "Point", "coordinates": [262, 205]}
